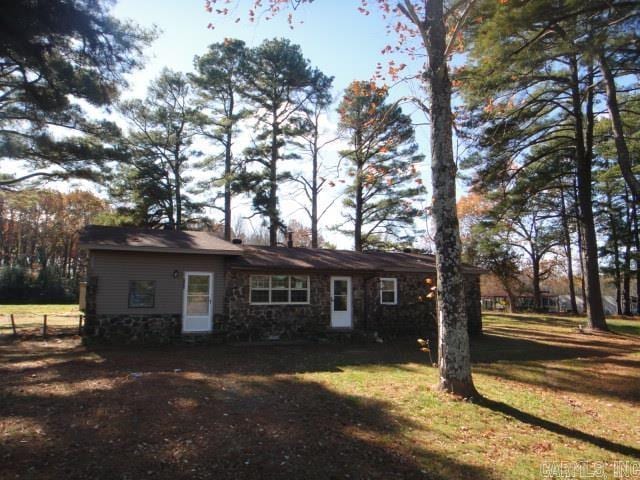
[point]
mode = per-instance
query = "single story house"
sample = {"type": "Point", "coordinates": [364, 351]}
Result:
{"type": "Point", "coordinates": [149, 286]}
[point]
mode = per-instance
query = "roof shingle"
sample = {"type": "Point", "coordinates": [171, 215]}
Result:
{"type": "Point", "coordinates": [98, 237]}
{"type": "Point", "coordinates": [283, 258]}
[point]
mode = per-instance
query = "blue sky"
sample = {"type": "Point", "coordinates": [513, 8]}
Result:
{"type": "Point", "coordinates": [334, 36]}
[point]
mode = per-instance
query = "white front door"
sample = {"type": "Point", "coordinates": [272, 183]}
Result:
{"type": "Point", "coordinates": [197, 303]}
{"type": "Point", "coordinates": [341, 302]}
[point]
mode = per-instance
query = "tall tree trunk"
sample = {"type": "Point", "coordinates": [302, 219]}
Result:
{"type": "Point", "coordinates": [595, 309]}
{"type": "Point", "coordinates": [228, 156]}
{"type": "Point", "coordinates": [537, 292]}
{"type": "Point", "coordinates": [636, 241]}
{"type": "Point", "coordinates": [513, 301]}
{"type": "Point", "coordinates": [624, 158]}
{"type": "Point", "coordinates": [178, 180]}
{"type": "Point", "coordinates": [628, 240]}
{"type": "Point", "coordinates": [454, 357]}
{"type": "Point", "coordinates": [583, 288]}
{"type": "Point", "coordinates": [615, 245]}
{"type": "Point", "coordinates": [171, 206]}
{"type": "Point", "coordinates": [357, 227]}
{"type": "Point", "coordinates": [626, 281]}
{"type": "Point", "coordinates": [272, 207]}
{"type": "Point", "coordinates": [616, 268]}
{"type": "Point", "coordinates": [314, 187]}
{"type": "Point", "coordinates": [567, 249]}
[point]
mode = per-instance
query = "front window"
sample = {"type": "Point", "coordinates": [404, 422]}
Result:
{"type": "Point", "coordinates": [388, 291]}
{"type": "Point", "coordinates": [267, 289]}
{"type": "Point", "coordinates": [142, 293]}
{"type": "Point", "coordinates": [260, 289]}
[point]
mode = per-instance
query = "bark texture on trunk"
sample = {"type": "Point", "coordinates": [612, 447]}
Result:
{"type": "Point", "coordinates": [624, 157]}
{"type": "Point", "coordinates": [595, 309]}
{"type": "Point", "coordinates": [228, 158]}
{"type": "Point", "coordinates": [272, 207]}
{"type": "Point", "coordinates": [314, 186]}
{"type": "Point", "coordinates": [636, 242]}
{"type": "Point", "coordinates": [537, 291]}
{"type": "Point", "coordinates": [615, 240]}
{"type": "Point", "coordinates": [583, 290]}
{"type": "Point", "coordinates": [567, 248]}
{"type": "Point", "coordinates": [454, 358]}
{"type": "Point", "coordinates": [178, 181]}
{"type": "Point", "coordinates": [357, 227]}
{"type": "Point", "coordinates": [628, 239]}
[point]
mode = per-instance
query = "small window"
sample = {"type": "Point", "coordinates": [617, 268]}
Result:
{"type": "Point", "coordinates": [260, 289]}
{"type": "Point", "coordinates": [142, 293]}
{"type": "Point", "coordinates": [299, 289]}
{"type": "Point", "coordinates": [389, 291]}
{"type": "Point", "coordinates": [279, 289]}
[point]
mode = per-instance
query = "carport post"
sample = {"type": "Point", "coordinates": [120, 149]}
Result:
{"type": "Point", "coordinates": [44, 327]}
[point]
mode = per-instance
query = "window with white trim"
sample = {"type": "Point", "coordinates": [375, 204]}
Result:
{"type": "Point", "coordinates": [389, 291]}
{"type": "Point", "coordinates": [279, 289]}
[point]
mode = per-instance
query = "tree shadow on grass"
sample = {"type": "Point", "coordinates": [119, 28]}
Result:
{"type": "Point", "coordinates": [569, 321]}
{"type": "Point", "coordinates": [559, 429]}
{"type": "Point", "coordinates": [627, 330]}
{"type": "Point", "coordinates": [204, 421]}
{"type": "Point", "coordinates": [499, 346]}
{"type": "Point", "coordinates": [509, 357]}
{"type": "Point", "coordinates": [538, 319]}
{"type": "Point", "coordinates": [562, 363]}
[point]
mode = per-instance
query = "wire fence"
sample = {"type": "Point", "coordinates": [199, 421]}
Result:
{"type": "Point", "coordinates": [41, 324]}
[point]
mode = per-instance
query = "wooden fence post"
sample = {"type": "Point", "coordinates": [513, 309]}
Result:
{"type": "Point", "coordinates": [13, 326]}
{"type": "Point", "coordinates": [80, 324]}
{"type": "Point", "coordinates": [44, 327]}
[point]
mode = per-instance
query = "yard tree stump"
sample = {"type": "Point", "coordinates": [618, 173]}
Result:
{"type": "Point", "coordinates": [13, 326]}
{"type": "Point", "coordinates": [44, 327]}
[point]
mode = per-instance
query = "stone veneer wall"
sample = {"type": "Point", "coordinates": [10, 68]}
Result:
{"type": "Point", "coordinates": [246, 321]}
{"type": "Point", "coordinates": [253, 322]}
{"type": "Point", "coordinates": [156, 329]}
{"type": "Point", "coordinates": [409, 316]}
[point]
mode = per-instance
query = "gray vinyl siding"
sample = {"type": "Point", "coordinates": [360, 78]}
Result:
{"type": "Point", "coordinates": [115, 270]}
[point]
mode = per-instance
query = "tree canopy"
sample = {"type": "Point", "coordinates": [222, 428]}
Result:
{"type": "Point", "coordinates": [54, 55]}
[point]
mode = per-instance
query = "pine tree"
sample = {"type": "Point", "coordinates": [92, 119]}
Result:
{"type": "Point", "coordinates": [530, 89]}
{"type": "Point", "coordinates": [54, 53]}
{"type": "Point", "coordinates": [312, 141]}
{"type": "Point", "coordinates": [163, 127]}
{"type": "Point", "coordinates": [382, 159]}
{"type": "Point", "coordinates": [280, 83]}
{"type": "Point", "coordinates": [220, 83]}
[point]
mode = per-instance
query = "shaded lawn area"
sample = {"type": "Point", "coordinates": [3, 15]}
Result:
{"type": "Point", "coordinates": [61, 318]}
{"type": "Point", "coordinates": [320, 411]}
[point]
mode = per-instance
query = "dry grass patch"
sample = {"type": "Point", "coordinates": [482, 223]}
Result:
{"type": "Point", "coordinates": [28, 318]}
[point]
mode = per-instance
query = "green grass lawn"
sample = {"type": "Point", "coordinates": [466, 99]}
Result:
{"type": "Point", "coordinates": [551, 394]}
{"type": "Point", "coordinates": [29, 317]}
